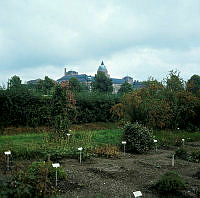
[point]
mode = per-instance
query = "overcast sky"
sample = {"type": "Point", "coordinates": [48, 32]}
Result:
{"type": "Point", "coordinates": [139, 38]}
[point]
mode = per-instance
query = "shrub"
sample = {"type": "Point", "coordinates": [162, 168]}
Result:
{"type": "Point", "coordinates": [182, 153]}
{"type": "Point", "coordinates": [139, 138]}
{"type": "Point", "coordinates": [95, 107]}
{"type": "Point", "coordinates": [37, 181]}
{"type": "Point", "coordinates": [40, 169]}
{"type": "Point", "coordinates": [195, 156]}
{"type": "Point", "coordinates": [170, 182]}
{"type": "Point", "coordinates": [197, 174]}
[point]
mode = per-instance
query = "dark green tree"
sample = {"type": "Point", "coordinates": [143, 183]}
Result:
{"type": "Point", "coordinates": [14, 83]}
{"type": "Point", "coordinates": [60, 119]}
{"type": "Point", "coordinates": [75, 85]}
{"type": "Point", "coordinates": [46, 86]}
{"type": "Point", "coordinates": [102, 83]}
{"type": "Point", "coordinates": [193, 85]}
{"type": "Point", "coordinates": [174, 82]}
{"type": "Point", "coordinates": [125, 88]}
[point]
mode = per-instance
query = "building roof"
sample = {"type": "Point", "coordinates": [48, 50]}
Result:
{"type": "Point", "coordinates": [102, 67]}
{"type": "Point", "coordinates": [33, 81]}
{"type": "Point", "coordinates": [117, 81]}
{"type": "Point", "coordinates": [80, 77]}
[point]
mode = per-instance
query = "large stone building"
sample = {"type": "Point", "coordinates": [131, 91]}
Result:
{"type": "Point", "coordinates": [84, 78]}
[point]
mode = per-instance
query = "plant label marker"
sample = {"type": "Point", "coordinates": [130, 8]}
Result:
{"type": "Point", "coordinates": [173, 160]}
{"type": "Point", "coordinates": [7, 153]}
{"type": "Point", "coordinates": [155, 141]}
{"type": "Point", "coordinates": [137, 194]}
{"type": "Point", "coordinates": [124, 143]}
{"type": "Point", "coordinates": [80, 149]}
{"type": "Point", "coordinates": [56, 165]}
{"type": "Point", "coordinates": [68, 134]}
{"type": "Point", "coordinates": [183, 142]}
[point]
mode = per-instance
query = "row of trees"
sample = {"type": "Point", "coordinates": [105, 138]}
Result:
{"type": "Point", "coordinates": [171, 103]}
{"type": "Point", "coordinates": [101, 84]}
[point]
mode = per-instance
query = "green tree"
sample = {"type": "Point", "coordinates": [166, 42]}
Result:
{"type": "Point", "coordinates": [75, 85]}
{"type": "Point", "coordinates": [14, 83]}
{"type": "Point", "coordinates": [174, 82]}
{"type": "Point", "coordinates": [102, 83]}
{"type": "Point", "coordinates": [125, 88]}
{"type": "Point", "coordinates": [46, 86]}
{"type": "Point", "coordinates": [193, 85]}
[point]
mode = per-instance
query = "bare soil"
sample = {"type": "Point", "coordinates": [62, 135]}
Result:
{"type": "Point", "coordinates": [120, 177]}
{"type": "Point", "coordinates": [117, 178]}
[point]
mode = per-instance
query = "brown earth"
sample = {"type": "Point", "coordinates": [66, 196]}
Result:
{"type": "Point", "coordinates": [120, 177]}
{"type": "Point", "coordinates": [117, 178]}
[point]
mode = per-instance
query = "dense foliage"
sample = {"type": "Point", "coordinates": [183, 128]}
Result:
{"type": "Point", "coordinates": [168, 104]}
{"type": "Point", "coordinates": [21, 105]}
{"type": "Point", "coordinates": [170, 182]}
{"type": "Point", "coordinates": [161, 105]}
{"type": "Point", "coordinates": [139, 139]}
{"type": "Point", "coordinates": [102, 83]}
{"type": "Point", "coordinates": [38, 180]}
{"type": "Point", "coordinates": [94, 107]}
{"type": "Point", "coordinates": [125, 88]}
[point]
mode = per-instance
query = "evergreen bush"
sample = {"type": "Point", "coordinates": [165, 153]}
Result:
{"type": "Point", "coordinates": [138, 137]}
{"type": "Point", "coordinates": [182, 153]}
{"type": "Point", "coordinates": [170, 182]}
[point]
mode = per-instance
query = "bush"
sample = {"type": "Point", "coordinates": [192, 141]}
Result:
{"type": "Point", "coordinates": [182, 153]}
{"type": "Point", "coordinates": [195, 156]}
{"type": "Point", "coordinates": [95, 107]}
{"type": "Point", "coordinates": [197, 174]}
{"type": "Point", "coordinates": [37, 181]}
{"type": "Point", "coordinates": [139, 138]}
{"type": "Point", "coordinates": [170, 182]}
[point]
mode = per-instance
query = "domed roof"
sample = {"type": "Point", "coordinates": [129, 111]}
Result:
{"type": "Point", "coordinates": [102, 67]}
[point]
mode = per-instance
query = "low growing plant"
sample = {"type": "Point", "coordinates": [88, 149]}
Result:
{"type": "Point", "coordinates": [195, 156]}
{"type": "Point", "coordinates": [170, 182]}
{"type": "Point", "coordinates": [108, 151]}
{"type": "Point", "coordinates": [182, 153]}
{"type": "Point", "coordinates": [36, 181]}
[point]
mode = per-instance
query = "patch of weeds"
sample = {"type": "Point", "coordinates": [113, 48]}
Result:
{"type": "Point", "coordinates": [170, 182]}
{"type": "Point", "coordinates": [195, 156]}
{"type": "Point", "coordinates": [35, 181]}
{"type": "Point", "coordinates": [197, 174]}
{"type": "Point", "coordinates": [107, 151]}
{"type": "Point", "coordinates": [182, 153]}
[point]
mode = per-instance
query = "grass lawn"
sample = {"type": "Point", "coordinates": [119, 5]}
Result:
{"type": "Point", "coordinates": [37, 145]}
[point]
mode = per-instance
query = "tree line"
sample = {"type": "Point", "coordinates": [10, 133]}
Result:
{"type": "Point", "coordinates": [171, 103]}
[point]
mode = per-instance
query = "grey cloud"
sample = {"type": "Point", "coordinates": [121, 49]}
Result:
{"type": "Point", "coordinates": [34, 34]}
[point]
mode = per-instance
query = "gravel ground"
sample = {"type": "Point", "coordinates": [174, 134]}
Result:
{"type": "Point", "coordinates": [117, 178]}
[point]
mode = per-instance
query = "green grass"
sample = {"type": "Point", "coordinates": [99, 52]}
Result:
{"type": "Point", "coordinates": [167, 137]}
{"type": "Point", "coordinates": [28, 146]}
{"type": "Point", "coordinates": [109, 136]}
{"type": "Point", "coordinates": [35, 145]}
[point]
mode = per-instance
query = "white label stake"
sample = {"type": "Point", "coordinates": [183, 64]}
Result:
{"type": "Point", "coordinates": [183, 141]}
{"type": "Point", "coordinates": [137, 194]}
{"type": "Point", "coordinates": [173, 160]}
{"type": "Point", "coordinates": [68, 135]}
{"type": "Point", "coordinates": [155, 141]}
{"type": "Point", "coordinates": [80, 149]}
{"type": "Point", "coordinates": [124, 143]}
{"type": "Point", "coordinates": [56, 165]}
{"type": "Point", "coordinates": [7, 153]}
